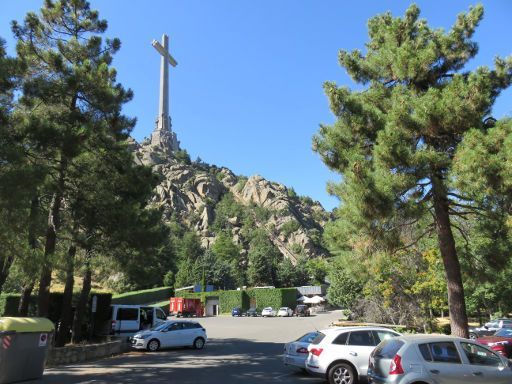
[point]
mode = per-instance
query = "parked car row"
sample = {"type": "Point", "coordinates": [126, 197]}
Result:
{"type": "Point", "coordinates": [347, 355]}
{"type": "Point", "coordinates": [300, 310]}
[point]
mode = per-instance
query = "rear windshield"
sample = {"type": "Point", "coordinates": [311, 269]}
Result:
{"type": "Point", "coordinates": [318, 338]}
{"type": "Point", "coordinates": [388, 348]}
{"type": "Point", "coordinates": [308, 337]}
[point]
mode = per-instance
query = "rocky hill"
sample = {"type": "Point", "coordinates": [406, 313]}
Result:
{"type": "Point", "coordinates": [198, 194]}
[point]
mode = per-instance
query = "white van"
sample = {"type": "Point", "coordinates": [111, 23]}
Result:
{"type": "Point", "coordinates": [133, 318]}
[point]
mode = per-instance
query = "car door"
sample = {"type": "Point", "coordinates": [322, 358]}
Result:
{"type": "Point", "coordinates": [443, 363]}
{"type": "Point", "coordinates": [485, 366]}
{"type": "Point", "coordinates": [172, 336]}
{"type": "Point", "coordinates": [359, 346]}
{"type": "Point", "coordinates": [128, 319]}
{"type": "Point", "coordinates": [158, 317]}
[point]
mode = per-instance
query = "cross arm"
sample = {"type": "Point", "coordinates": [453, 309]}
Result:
{"type": "Point", "coordinates": [163, 52]}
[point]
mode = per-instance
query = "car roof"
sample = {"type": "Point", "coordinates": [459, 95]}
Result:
{"type": "Point", "coordinates": [338, 329]}
{"type": "Point", "coordinates": [423, 338]}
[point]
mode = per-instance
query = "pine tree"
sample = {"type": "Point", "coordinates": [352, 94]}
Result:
{"type": "Point", "coordinates": [394, 141]}
{"type": "Point", "coordinates": [72, 95]}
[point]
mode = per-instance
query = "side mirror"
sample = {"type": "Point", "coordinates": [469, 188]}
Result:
{"type": "Point", "coordinates": [486, 327]}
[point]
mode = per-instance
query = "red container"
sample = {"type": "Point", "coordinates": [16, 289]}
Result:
{"type": "Point", "coordinates": [181, 306]}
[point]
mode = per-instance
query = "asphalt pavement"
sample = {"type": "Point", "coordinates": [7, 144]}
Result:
{"type": "Point", "coordinates": [247, 350]}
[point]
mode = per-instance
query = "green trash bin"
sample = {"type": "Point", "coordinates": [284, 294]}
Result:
{"type": "Point", "coordinates": [24, 343]}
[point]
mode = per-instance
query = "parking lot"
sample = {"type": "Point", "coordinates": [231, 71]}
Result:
{"type": "Point", "coordinates": [242, 349]}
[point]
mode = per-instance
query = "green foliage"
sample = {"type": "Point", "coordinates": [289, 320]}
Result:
{"type": "Point", "coordinates": [242, 180]}
{"type": "Point", "coordinates": [317, 269]}
{"type": "Point", "coordinates": [289, 275]}
{"type": "Point", "coordinates": [182, 156]}
{"type": "Point", "coordinates": [394, 141]}
{"type": "Point", "coordinates": [291, 193]}
{"type": "Point", "coordinates": [145, 296]}
{"type": "Point", "coordinates": [224, 248]}
{"type": "Point", "coordinates": [231, 299]}
{"type": "Point", "coordinates": [169, 279]}
{"type": "Point", "coordinates": [273, 297]}
{"type": "Point", "coordinates": [289, 227]}
{"type": "Point", "coordinates": [345, 289]}
{"type": "Point", "coordinates": [227, 208]}
{"type": "Point", "coordinates": [263, 260]}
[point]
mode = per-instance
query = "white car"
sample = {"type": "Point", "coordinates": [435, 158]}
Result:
{"type": "Point", "coordinates": [171, 334]}
{"type": "Point", "coordinates": [340, 355]}
{"type": "Point", "coordinates": [296, 352]}
{"type": "Point", "coordinates": [285, 312]}
{"type": "Point", "coordinates": [268, 312]}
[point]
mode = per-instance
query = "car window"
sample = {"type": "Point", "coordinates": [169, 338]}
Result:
{"type": "Point", "coordinates": [444, 352]}
{"type": "Point", "coordinates": [318, 338]}
{"type": "Point", "coordinates": [504, 332]}
{"type": "Point", "coordinates": [160, 315]}
{"type": "Point", "coordinates": [175, 327]}
{"type": "Point", "coordinates": [189, 325]}
{"type": "Point", "coordinates": [127, 314]}
{"type": "Point", "coordinates": [388, 348]}
{"type": "Point", "coordinates": [492, 324]}
{"type": "Point", "coordinates": [308, 337]}
{"type": "Point", "coordinates": [362, 338]}
{"type": "Point", "coordinates": [425, 352]}
{"type": "Point", "coordinates": [478, 355]}
{"type": "Point", "coordinates": [341, 339]}
{"type": "Point", "coordinates": [383, 335]}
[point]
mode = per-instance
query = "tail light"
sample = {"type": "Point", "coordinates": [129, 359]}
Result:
{"type": "Point", "coordinates": [316, 351]}
{"type": "Point", "coordinates": [395, 368]}
{"type": "Point", "coordinates": [302, 350]}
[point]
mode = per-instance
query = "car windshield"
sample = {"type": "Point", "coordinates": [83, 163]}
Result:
{"type": "Point", "coordinates": [504, 332]}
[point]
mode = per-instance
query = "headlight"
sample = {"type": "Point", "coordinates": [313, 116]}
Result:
{"type": "Point", "coordinates": [145, 336]}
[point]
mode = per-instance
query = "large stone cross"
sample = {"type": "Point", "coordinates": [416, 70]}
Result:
{"type": "Point", "coordinates": [163, 112]}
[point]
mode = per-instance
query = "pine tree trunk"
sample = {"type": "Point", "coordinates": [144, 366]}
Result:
{"type": "Point", "coordinates": [66, 310]}
{"type": "Point", "coordinates": [43, 299]}
{"type": "Point", "coordinates": [82, 301]}
{"type": "Point", "coordinates": [27, 289]}
{"type": "Point", "coordinates": [456, 302]}
{"type": "Point", "coordinates": [25, 299]}
{"type": "Point", "coordinates": [4, 272]}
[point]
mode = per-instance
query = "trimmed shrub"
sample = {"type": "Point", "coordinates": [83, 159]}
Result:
{"type": "Point", "coordinates": [232, 299]}
{"type": "Point", "coordinates": [146, 296]}
{"type": "Point", "coordinates": [273, 297]}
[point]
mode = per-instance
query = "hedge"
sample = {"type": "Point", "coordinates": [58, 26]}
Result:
{"type": "Point", "coordinates": [264, 297]}
{"type": "Point", "coordinates": [146, 296]}
{"type": "Point", "coordinates": [9, 306]}
{"type": "Point", "coordinates": [273, 297]}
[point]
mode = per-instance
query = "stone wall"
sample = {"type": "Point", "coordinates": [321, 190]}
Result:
{"type": "Point", "coordinates": [79, 353]}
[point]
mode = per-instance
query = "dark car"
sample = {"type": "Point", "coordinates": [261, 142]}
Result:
{"type": "Point", "coordinates": [490, 328]}
{"type": "Point", "coordinates": [236, 312]}
{"type": "Point", "coordinates": [500, 342]}
{"type": "Point", "coordinates": [301, 310]}
{"type": "Point", "coordinates": [252, 312]}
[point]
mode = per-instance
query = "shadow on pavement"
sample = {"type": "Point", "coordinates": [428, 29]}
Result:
{"type": "Point", "coordinates": [222, 361]}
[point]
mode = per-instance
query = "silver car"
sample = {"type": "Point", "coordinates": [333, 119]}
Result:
{"type": "Point", "coordinates": [431, 359]}
{"type": "Point", "coordinates": [296, 352]}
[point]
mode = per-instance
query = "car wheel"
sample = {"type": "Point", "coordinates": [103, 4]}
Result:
{"type": "Point", "coordinates": [472, 335]}
{"type": "Point", "coordinates": [199, 343]}
{"type": "Point", "coordinates": [153, 345]}
{"type": "Point", "coordinates": [342, 373]}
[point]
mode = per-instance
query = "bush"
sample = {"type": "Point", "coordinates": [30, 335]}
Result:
{"type": "Point", "coordinates": [146, 296]}
{"type": "Point", "coordinates": [289, 227]}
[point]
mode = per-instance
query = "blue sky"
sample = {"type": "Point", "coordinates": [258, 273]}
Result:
{"type": "Point", "coordinates": [247, 92]}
